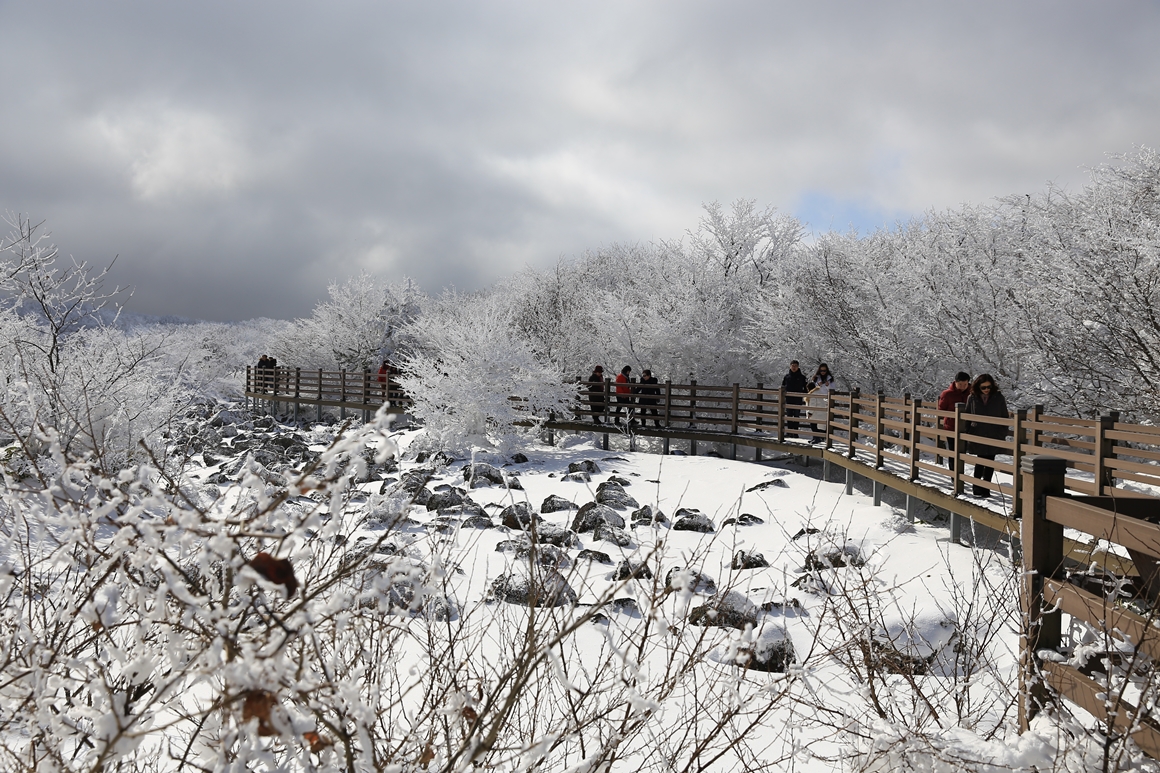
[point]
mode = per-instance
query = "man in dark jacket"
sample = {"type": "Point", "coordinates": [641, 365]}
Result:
{"type": "Point", "coordinates": [648, 387]}
{"type": "Point", "coordinates": [794, 381]}
{"type": "Point", "coordinates": [957, 392]}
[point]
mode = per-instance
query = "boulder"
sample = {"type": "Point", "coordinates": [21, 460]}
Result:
{"type": "Point", "coordinates": [543, 588]}
{"type": "Point", "coordinates": [626, 606]}
{"type": "Point", "coordinates": [648, 516]}
{"type": "Point", "coordinates": [592, 515]}
{"type": "Point", "coordinates": [478, 522]}
{"type": "Point", "coordinates": [587, 466]}
{"type": "Point", "coordinates": [617, 536]}
{"type": "Point", "coordinates": [468, 508]}
{"type": "Point", "coordinates": [743, 560]}
{"type": "Point", "coordinates": [544, 555]}
{"type": "Point", "coordinates": [518, 516]}
{"type": "Point", "coordinates": [698, 522]}
{"type": "Point", "coordinates": [834, 558]}
{"type": "Point", "coordinates": [552, 534]}
{"type": "Point", "coordinates": [577, 477]}
{"type": "Point", "coordinates": [680, 578]}
{"type": "Point", "coordinates": [771, 651]}
{"type": "Point", "coordinates": [622, 482]}
{"type": "Point", "coordinates": [556, 504]}
{"type": "Point", "coordinates": [626, 570]}
{"type": "Point", "coordinates": [775, 483]}
{"type": "Point", "coordinates": [482, 471]}
{"type": "Point", "coordinates": [518, 458]}
{"type": "Point", "coordinates": [745, 519]}
{"type": "Point", "coordinates": [595, 556]}
{"type": "Point", "coordinates": [613, 495]}
{"type": "Point", "coordinates": [444, 499]}
{"type": "Point", "coordinates": [728, 610]}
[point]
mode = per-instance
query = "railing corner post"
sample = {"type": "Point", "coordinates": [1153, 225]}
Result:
{"type": "Point", "coordinates": [1042, 556]}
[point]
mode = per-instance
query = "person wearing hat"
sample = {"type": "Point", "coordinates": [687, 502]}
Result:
{"type": "Point", "coordinates": [596, 398]}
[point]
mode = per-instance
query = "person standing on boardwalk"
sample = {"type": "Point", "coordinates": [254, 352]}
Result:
{"type": "Point", "coordinates": [648, 387]}
{"type": "Point", "coordinates": [624, 393]}
{"type": "Point", "coordinates": [985, 400]}
{"type": "Point", "coordinates": [596, 399]}
{"type": "Point", "coordinates": [819, 388]}
{"type": "Point", "coordinates": [796, 385]}
{"type": "Point", "coordinates": [958, 392]}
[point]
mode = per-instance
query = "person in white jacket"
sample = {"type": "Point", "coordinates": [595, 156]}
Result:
{"type": "Point", "coordinates": [820, 386]}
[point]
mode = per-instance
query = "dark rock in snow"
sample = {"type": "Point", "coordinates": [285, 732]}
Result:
{"type": "Point", "coordinates": [613, 534]}
{"type": "Point", "coordinates": [552, 534]}
{"type": "Point", "coordinates": [518, 458]}
{"type": "Point", "coordinates": [806, 531]}
{"type": "Point", "coordinates": [680, 578]}
{"type": "Point", "coordinates": [482, 471]}
{"type": "Point", "coordinates": [771, 652]}
{"type": "Point", "coordinates": [468, 508]}
{"type": "Point", "coordinates": [577, 477]}
{"type": "Point", "coordinates": [627, 570]}
{"type": "Point", "coordinates": [743, 560]}
{"type": "Point", "coordinates": [544, 588]}
{"type": "Point", "coordinates": [518, 516]}
{"type": "Point", "coordinates": [648, 516]}
{"type": "Point", "coordinates": [626, 606]}
{"type": "Point", "coordinates": [478, 522]}
{"type": "Point", "coordinates": [595, 556]}
{"type": "Point", "coordinates": [592, 515]}
{"type": "Point", "coordinates": [619, 481]}
{"type": "Point", "coordinates": [847, 555]}
{"type": "Point", "coordinates": [443, 499]}
{"type": "Point", "coordinates": [698, 522]}
{"type": "Point", "coordinates": [745, 519]}
{"type": "Point", "coordinates": [587, 466]}
{"type": "Point", "coordinates": [729, 610]}
{"type": "Point", "coordinates": [513, 484]}
{"type": "Point", "coordinates": [555, 504]}
{"type": "Point", "coordinates": [614, 496]}
{"type": "Point", "coordinates": [775, 483]}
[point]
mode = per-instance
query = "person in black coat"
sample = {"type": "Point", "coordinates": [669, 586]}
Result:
{"type": "Point", "coordinates": [985, 400]}
{"type": "Point", "coordinates": [794, 381]}
{"type": "Point", "coordinates": [648, 387]}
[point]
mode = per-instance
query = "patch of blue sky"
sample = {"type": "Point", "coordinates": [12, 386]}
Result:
{"type": "Point", "coordinates": [821, 212]}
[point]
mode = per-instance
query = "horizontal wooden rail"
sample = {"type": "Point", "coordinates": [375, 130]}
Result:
{"type": "Point", "coordinates": [1049, 591]}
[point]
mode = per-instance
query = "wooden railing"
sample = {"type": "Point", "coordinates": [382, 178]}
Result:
{"type": "Point", "coordinates": [901, 434]}
{"type": "Point", "coordinates": [1121, 613]}
{"type": "Point", "coordinates": [358, 390]}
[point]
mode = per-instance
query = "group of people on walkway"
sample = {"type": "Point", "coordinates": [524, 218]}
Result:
{"type": "Point", "coordinates": [629, 393]}
{"type": "Point", "coordinates": [980, 396]}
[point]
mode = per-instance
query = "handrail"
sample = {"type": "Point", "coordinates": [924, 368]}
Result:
{"type": "Point", "coordinates": [1047, 592]}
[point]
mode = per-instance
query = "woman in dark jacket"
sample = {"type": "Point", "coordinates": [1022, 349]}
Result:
{"type": "Point", "coordinates": [985, 400]}
{"type": "Point", "coordinates": [596, 398]}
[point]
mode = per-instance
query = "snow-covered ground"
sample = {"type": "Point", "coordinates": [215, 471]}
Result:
{"type": "Point", "coordinates": [687, 613]}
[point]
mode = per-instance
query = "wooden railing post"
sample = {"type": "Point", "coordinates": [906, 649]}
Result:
{"type": "Point", "coordinates": [957, 453]}
{"type": "Point", "coordinates": [1105, 450]}
{"type": "Point", "coordinates": [736, 415]}
{"type": "Point", "coordinates": [879, 429]}
{"type": "Point", "coordinates": [1033, 432]}
{"type": "Point", "coordinates": [854, 394]}
{"type": "Point", "coordinates": [1016, 462]}
{"type": "Point", "coordinates": [693, 404]}
{"type": "Point", "coordinates": [781, 414]}
{"type": "Point", "coordinates": [249, 385]}
{"type": "Point", "coordinates": [366, 386]}
{"type": "Point", "coordinates": [668, 402]}
{"type": "Point", "coordinates": [1042, 557]}
{"type": "Point", "coordinates": [828, 439]}
{"type": "Point", "coordinates": [297, 391]}
{"type": "Point", "coordinates": [915, 407]}
{"type": "Point", "coordinates": [760, 409]}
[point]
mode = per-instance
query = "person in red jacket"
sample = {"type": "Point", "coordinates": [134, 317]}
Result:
{"type": "Point", "coordinates": [957, 392]}
{"type": "Point", "coordinates": [624, 393]}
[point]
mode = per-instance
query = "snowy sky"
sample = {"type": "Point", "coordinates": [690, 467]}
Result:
{"type": "Point", "coordinates": [238, 155]}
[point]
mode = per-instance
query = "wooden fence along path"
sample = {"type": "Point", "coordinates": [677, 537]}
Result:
{"type": "Point", "coordinates": [1096, 477]}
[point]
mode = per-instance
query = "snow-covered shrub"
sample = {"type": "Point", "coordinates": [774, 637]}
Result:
{"type": "Point", "coordinates": [473, 381]}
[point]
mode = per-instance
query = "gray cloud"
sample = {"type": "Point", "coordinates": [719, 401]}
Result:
{"type": "Point", "coordinates": [237, 156]}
